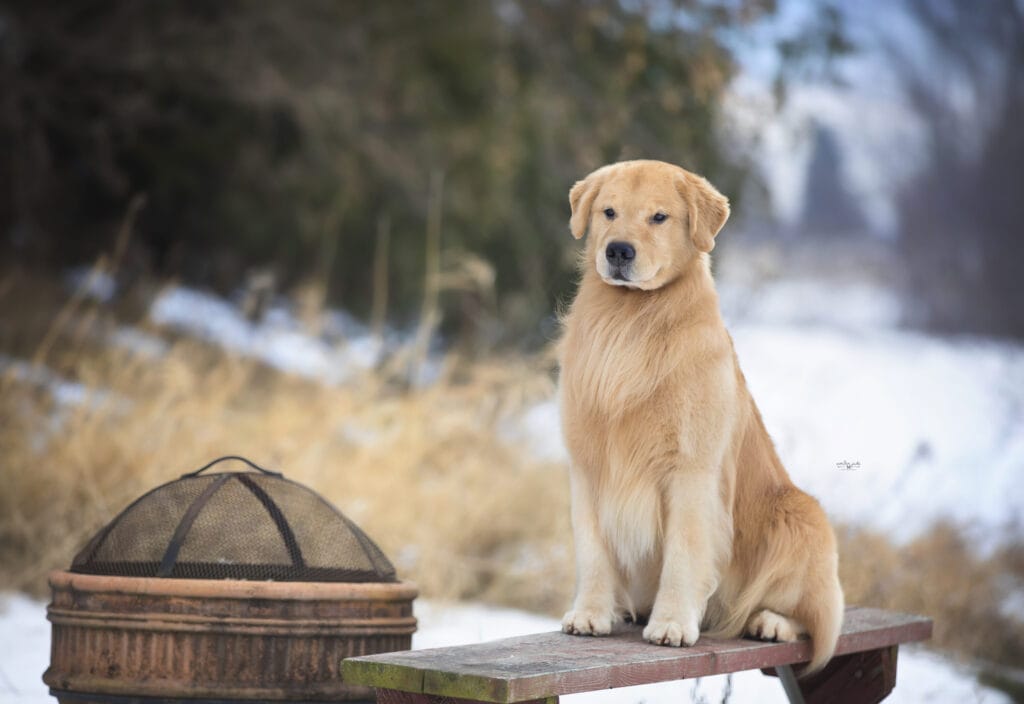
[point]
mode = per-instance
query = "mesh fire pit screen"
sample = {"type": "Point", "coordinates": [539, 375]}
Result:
{"type": "Point", "coordinates": [234, 525]}
{"type": "Point", "coordinates": [234, 586]}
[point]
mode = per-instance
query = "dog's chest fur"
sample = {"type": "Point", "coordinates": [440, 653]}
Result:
{"type": "Point", "coordinates": [616, 354]}
{"type": "Point", "coordinates": [647, 388]}
{"type": "Point", "coordinates": [621, 424]}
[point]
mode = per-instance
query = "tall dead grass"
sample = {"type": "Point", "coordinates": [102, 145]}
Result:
{"type": "Point", "coordinates": [431, 473]}
{"type": "Point", "coordinates": [969, 591]}
{"type": "Point", "coordinates": [427, 472]}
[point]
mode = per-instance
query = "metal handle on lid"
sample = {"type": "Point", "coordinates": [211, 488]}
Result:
{"type": "Point", "coordinates": [231, 457]}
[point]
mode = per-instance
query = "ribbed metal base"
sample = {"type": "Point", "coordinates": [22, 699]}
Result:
{"type": "Point", "coordinates": [148, 640]}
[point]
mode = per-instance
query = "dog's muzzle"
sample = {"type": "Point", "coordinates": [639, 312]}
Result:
{"type": "Point", "coordinates": [620, 256]}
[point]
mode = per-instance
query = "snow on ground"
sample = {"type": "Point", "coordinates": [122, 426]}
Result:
{"type": "Point", "coordinates": [277, 340]}
{"type": "Point", "coordinates": [922, 677]}
{"type": "Point", "coordinates": [64, 391]}
{"type": "Point", "coordinates": [893, 429]}
{"type": "Point", "coordinates": [809, 301]}
{"type": "Point", "coordinates": [138, 341]}
{"type": "Point", "coordinates": [888, 428]}
{"type": "Point", "coordinates": [24, 650]}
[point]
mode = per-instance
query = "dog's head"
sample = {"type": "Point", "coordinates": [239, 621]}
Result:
{"type": "Point", "coordinates": [647, 220]}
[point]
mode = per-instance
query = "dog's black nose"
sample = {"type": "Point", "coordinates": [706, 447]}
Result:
{"type": "Point", "coordinates": [619, 252]}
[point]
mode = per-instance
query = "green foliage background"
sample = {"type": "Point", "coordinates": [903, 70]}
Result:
{"type": "Point", "coordinates": [284, 134]}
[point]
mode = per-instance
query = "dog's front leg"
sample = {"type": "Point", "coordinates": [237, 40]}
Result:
{"type": "Point", "coordinates": [689, 574]}
{"type": "Point", "coordinates": [593, 610]}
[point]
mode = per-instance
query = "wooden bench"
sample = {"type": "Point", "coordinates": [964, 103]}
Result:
{"type": "Point", "coordinates": [540, 668]}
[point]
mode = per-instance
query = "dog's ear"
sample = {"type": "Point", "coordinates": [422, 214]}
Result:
{"type": "Point", "coordinates": [581, 200]}
{"type": "Point", "coordinates": [709, 209]}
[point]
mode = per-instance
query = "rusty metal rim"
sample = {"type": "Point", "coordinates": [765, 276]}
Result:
{"type": "Point", "coordinates": [234, 589]}
{"type": "Point", "coordinates": [62, 616]}
{"type": "Point", "coordinates": [198, 624]}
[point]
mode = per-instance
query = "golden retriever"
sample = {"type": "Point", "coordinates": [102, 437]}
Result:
{"type": "Point", "coordinates": [682, 513]}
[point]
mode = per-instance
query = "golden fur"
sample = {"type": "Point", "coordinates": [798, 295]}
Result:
{"type": "Point", "coordinates": [682, 512]}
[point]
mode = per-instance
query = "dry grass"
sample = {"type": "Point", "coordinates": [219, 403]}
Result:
{"type": "Point", "coordinates": [428, 472]}
{"type": "Point", "coordinates": [942, 574]}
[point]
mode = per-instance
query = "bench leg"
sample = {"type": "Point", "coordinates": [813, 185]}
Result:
{"type": "Point", "coordinates": [394, 696]}
{"type": "Point", "coordinates": [790, 684]}
{"type": "Point", "coordinates": [858, 678]}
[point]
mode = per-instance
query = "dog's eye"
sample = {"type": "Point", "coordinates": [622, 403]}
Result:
{"type": "Point", "coordinates": [609, 213]}
{"type": "Point", "coordinates": [659, 217]}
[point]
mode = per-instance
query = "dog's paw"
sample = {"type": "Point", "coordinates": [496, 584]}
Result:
{"type": "Point", "coordinates": [669, 632]}
{"type": "Point", "coordinates": [768, 625]}
{"type": "Point", "coordinates": [587, 622]}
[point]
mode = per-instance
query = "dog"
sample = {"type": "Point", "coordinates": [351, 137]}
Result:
{"type": "Point", "coordinates": [682, 512]}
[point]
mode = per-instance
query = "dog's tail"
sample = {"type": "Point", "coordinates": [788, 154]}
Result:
{"type": "Point", "coordinates": [823, 618]}
{"type": "Point", "coordinates": [820, 610]}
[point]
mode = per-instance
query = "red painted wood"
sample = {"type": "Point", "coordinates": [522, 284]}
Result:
{"type": "Point", "coordinates": [551, 664]}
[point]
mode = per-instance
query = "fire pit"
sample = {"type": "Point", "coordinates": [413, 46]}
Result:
{"type": "Point", "coordinates": [227, 586]}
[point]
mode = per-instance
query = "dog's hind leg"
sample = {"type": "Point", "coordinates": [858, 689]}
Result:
{"type": "Point", "coordinates": [768, 625]}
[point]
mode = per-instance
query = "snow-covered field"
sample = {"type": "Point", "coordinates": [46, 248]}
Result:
{"type": "Point", "coordinates": [923, 677]}
{"type": "Point", "coordinates": [930, 428]}
{"type": "Point", "coordinates": [888, 428]}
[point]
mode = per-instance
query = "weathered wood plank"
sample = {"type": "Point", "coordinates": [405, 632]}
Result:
{"type": "Point", "coordinates": [552, 664]}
